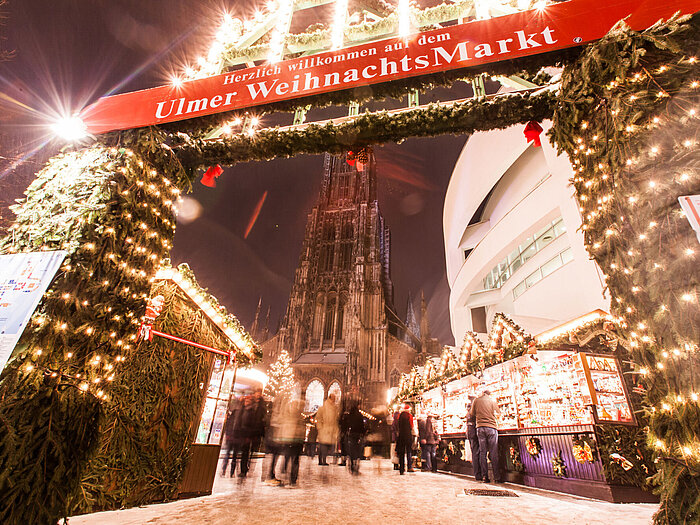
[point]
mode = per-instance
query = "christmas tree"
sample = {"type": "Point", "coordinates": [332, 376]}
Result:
{"type": "Point", "coordinates": [280, 376]}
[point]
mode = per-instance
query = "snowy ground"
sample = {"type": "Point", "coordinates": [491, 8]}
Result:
{"type": "Point", "coordinates": [330, 495]}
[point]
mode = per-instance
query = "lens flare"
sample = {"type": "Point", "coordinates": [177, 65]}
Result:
{"type": "Point", "coordinates": [70, 129]}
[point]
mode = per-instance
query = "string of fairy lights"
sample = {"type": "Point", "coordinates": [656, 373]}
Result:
{"type": "Point", "coordinates": [602, 205]}
{"type": "Point", "coordinates": [217, 313]}
{"type": "Point", "coordinates": [241, 35]}
{"type": "Point", "coordinates": [108, 328]}
{"type": "Point", "coordinates": [471, 348]}
{"type": "Point", "coordinates": [94, 306]}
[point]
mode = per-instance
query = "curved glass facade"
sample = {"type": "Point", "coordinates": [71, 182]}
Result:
{"type": "Point", "coordinates": [525, 250]}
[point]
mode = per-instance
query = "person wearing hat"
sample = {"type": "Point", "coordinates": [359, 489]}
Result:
{"type": "Point", "coordinates": [484, 410]}
{"type": "Point", "coordinates": [404, 439]}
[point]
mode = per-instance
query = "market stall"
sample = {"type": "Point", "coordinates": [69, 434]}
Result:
{"type": "Point", "coordinates": [557, 406]}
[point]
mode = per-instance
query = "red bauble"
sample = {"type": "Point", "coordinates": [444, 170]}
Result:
{"type": "Point", "coordinates": [209, 177]}
{"type": "Point", "coordinates": [532, 133]}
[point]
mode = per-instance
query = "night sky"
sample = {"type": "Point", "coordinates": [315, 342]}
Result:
{"type": "Point", "coordinates": [70, 52]}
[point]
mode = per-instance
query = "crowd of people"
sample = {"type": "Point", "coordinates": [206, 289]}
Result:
{"type": "Point", "coordinates": [344, 434]}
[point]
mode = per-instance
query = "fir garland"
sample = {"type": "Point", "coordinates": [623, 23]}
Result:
{"type": "Point", "coordinates": [626, 119]}
{"type": "Point", "coordinates": [371, 128]}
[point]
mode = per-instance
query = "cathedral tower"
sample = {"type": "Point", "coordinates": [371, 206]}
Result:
{"type": "Point", "coordinates": [340, 326]}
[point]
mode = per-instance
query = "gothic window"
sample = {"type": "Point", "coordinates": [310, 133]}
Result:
{"type": "Point", "coordinates": [326, 258]}
{"type": "Point", "coordinates": [314, 396]}
{"type": "Point", "coordinates": [345, 248]}
{"type": "Point", "coordinates": [345, 256]}
{"type": "Point", "coordinates": [335, 389]}
{"type": "Point", "coordinates": [330, 314]}
{"type": "Point", "coordinates": [394, 378]}
{"type": "Point", "coordinates": [341, 315]}
{"type": "Point", "coordinates": [327, 251]}
{"type": "Point", "coordinates": [343, 185]}
{"type": "Point", "coordinates": [328, 232]}
{"type": "Point", "coordinates": [318, 317]}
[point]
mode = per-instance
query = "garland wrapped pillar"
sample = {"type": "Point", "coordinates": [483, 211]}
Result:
{"type": "Point", "coordinates": [110, 208]}
{"type": "Point", "coordinates": [628, 119]}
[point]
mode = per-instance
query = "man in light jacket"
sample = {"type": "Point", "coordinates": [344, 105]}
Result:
{"type": "Point", "coordinates": [327, 426]}
{"type": "Point", "coordinates": [485, 410]}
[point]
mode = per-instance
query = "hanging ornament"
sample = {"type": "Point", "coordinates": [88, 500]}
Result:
{"type": "Point", "coordinates": [350, 158]}
{"type": "Point", "coordinates": [532, 133]}
{"type": "Point", "coordinates": [625, 463]}
{"type": "Point", "coordinates": [533, 446]}
{"type": "Point", "coordinates": [558, 465]}
{"type": "Point", "coordinates": [362, 158]}
{"type": "Point", "coordinates": [515, 459]}
{"type": "Point", "coordinates": [531, 347]}
{"type": "Point", "coordinates": [153, 310]}
{"type": "Point", "coordinates": [582, 450]}
{"type": "Point", "coordinates": [210, 176]}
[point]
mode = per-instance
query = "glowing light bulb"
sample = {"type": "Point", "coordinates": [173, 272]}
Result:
{"type": "Point", "coordinates": [70, 129]}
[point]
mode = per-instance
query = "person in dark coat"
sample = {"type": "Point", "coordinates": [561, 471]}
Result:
{"type": "Point", "coordinates": [343, 435]}
{"type": "Point", "coordinates": [229, 437]}
{"type": "Point", "coordinates": [474, 441]}
{"type": "Point", "coordinates": [252, 428]}
{"type": "Point", "coordinates": [355, 423]}
{"type": "Point", "coordinates": [429, 438]}
{"type": "Point", "coordinates": [404, 439]}
{"type": "Point", "coordinates": [394, 436]}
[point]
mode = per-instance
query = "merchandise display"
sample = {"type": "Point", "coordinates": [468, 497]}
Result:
{"type": "Point", "coordinates": [211, 424]}
{"type": "Point", "coordinates": [552, 388]}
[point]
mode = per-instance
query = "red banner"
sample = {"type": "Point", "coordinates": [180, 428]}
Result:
{"type": "Point", "coordinates": [556, 26]}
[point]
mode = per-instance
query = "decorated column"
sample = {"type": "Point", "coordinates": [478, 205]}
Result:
{"type": "Point", "coordinates": [628, 119]}
{"type": "Point", "coordinates": [111, 209]}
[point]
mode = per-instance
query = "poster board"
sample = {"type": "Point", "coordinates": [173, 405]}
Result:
{"type": "Point", "coordinates": [24, 277]}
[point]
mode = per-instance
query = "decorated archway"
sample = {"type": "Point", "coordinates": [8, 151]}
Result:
{"type": "Point", "coordinates": [625, 111]}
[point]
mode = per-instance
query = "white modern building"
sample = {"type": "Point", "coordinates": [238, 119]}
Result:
{"type": "Point", "coordinates": [512, 239]}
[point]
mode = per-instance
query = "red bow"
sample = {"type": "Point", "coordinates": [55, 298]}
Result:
{"type": "Point", "coordinates": [350, 158]}
{"type": "Point", "coordinates": [532, 132]}
{"type": "Point", "coordinates": [209, 178]}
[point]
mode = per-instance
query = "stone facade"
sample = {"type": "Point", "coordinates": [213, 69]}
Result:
{"type": "Point", "coordinates": [340, 325]}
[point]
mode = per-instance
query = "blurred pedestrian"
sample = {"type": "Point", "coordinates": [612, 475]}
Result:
{"type": "Point", "coordinates": [251, 428]}
{"type": "Point", "coordinates": [343, 432]}
{"type": "Point", "coordinates": [485, 409]}
{"type": "Point", "coordinates": [473, 441]}
{"type": "Point", "coordinates": [229, 437]}
{"type": "Point", "coordinates": [273, 447]}
{"type": "Point", "coordinates": [291, 435]}
{"type": "Point", "coordinates": [394, 436]}
{"type": "Point", "coordinates": [404, 439]}
{"type": "Point", "coordinates": [429, 438]}
{"type": "Point", "coordinates": [328, 429]}
{"type": "Point", "coordinates": [355, 436]}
